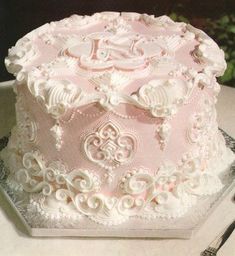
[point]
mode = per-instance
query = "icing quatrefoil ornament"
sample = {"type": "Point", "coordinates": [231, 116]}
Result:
{"type": "Point", "coordinates": [109, 147]}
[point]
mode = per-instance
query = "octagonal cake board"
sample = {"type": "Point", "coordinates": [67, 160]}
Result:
{"type": "Point", "coordinates": [183, 227]}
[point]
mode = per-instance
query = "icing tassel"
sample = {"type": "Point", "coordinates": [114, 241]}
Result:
{"type": "Point", "coordinates": [163, 132]}
{"type": "Point", "coordinates": [57, 133]}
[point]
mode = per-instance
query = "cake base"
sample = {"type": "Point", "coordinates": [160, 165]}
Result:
{"type": "Point", "coordinates": [183, 227]}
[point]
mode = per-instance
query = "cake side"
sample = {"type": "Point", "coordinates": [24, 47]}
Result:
{"type": "Point", "coordinates": [166, 190]}
{"type": "Point", "coordinates": [125, 129]}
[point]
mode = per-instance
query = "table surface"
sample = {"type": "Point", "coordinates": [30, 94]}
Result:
{"type": "Point", "coordinates": [15, 242]}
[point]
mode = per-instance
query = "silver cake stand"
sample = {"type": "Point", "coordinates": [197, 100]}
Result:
{"type": "Point", "coordinates": [183, 227]}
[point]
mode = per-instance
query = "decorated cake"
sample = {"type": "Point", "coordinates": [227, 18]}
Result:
{"type": "Point", "coordinates": [115, 119]}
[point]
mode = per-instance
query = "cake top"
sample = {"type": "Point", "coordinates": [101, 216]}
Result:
{"type": "Point", "coordinates": [112, 58]}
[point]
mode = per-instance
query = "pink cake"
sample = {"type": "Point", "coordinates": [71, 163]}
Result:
{"type": "Point", "coordinates": [115, 118]}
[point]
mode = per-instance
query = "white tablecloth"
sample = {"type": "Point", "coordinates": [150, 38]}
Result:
{"type": "Point", "coordinates": [13, 241]}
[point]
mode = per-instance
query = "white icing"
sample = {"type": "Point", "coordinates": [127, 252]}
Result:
{"type": "Point", "coordinates": [109, 16]}
{"type": "Point", "coordinates": [162, 96]}
{"type": "Point", "coordinates": [208, 52]}
{"type": "Point", "coordinates": [107, 50]}
{"type": "Point", "coordinates": [117, 25]}
{"type": "Point", "coordinates": [26, 126]}
{"type": "Point", "coordinates": [203, 123]}
{"type": "Point", "coordinates": [167, 193]}
{"type": "Point", "coordinates": [19, 55]}
{"type": "Point", "coordinates": [57, 133]}
{"type": "Point", "coordinates": [56, 96]}
{"type": "Point", "coordinates": [51, 213]}
{"type": "Point", "coordinates": [111, 60]}
{"type": "Point", "coordinates": [36, 176]}
{"type": "Point", "coordinates": [131, 15]}
{"type": "Point", "coordinates": [110, 81]}
{"type": "Point", "coordinates": [109, 147]}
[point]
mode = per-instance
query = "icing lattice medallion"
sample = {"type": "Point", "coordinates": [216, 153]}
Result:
{"type": "Point", "coordinates": [109, 147]}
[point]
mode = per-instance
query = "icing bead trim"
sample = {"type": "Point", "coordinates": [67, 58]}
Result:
{"type": "Point", "coordinates": [163, 131]}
